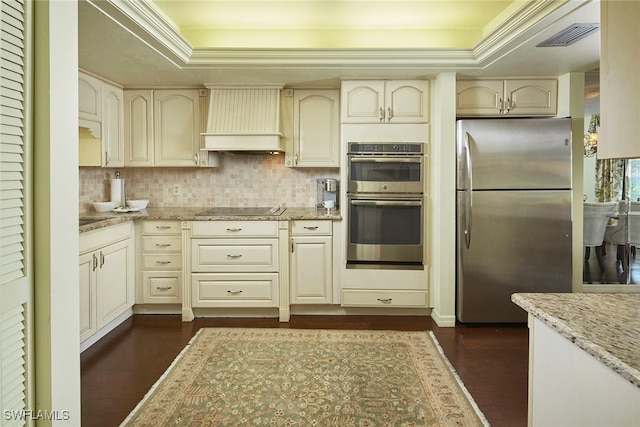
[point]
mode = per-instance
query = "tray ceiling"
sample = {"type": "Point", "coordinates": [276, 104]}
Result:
{"type": "Point", "coordinates": [315, 43]}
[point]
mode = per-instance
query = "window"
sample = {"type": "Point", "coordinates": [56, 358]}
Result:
{"type": "Point", "coordinates": [634, 180]}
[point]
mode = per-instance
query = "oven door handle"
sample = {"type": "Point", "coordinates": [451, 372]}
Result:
{"type": "Point", "coordinates": [386, 203]}
{"type": "Point", "coordinates": [371, 159]}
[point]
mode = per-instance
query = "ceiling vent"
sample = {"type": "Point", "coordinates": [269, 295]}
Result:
{"type": "Point", "coordinates": [570, 35]}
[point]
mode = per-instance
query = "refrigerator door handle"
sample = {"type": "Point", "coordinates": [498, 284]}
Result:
{"type": "Point", "coordinates": [468, 200]}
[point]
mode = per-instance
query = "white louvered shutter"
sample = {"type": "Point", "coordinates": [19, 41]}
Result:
{"type": "Point", "coordinates": [15, 281]}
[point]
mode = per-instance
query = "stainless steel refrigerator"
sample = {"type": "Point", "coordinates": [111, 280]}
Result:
{"type": "Point", "coordinates": [513, 214]}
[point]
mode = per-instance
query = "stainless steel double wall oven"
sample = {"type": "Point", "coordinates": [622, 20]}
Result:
{"type": "Point", "coordinates": [385, 195]}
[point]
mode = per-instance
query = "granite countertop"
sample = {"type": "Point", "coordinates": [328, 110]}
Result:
{"type": "Point", "coordinates": [607, 326]}
{"type": "Point", "coordinates": [106, 219]}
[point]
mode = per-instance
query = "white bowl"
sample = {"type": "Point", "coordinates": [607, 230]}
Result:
{"type": "Point", "coordinates": [104, 206]}
{"type": "Point", "coordinates": [138, 204]}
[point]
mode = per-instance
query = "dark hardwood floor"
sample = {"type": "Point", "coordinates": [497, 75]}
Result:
{"type": "Point", "coordinates": [118, 370]}
{"type": "Point", "coordinates": [612, 272]}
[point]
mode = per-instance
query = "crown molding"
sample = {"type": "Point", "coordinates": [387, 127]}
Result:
{"type": "Point", "coordinates": [144, 20]}
{"type": "Point", "coordinates": [147, 22]}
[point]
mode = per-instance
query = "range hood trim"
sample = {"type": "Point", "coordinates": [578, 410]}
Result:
{"type": "Point", "coordinates": [267, 143]}
{"type": "Point", "coordinates": [243, 118]}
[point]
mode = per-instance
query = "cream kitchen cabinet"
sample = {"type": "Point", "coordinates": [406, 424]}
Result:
{"type": "Point", "coordinates": [315, 133]}
{"type": "Point", "coordinates": [89, 98]}
{"type": "Point", "coordinates": [162, 127]}
{"type": "Point", "coordinates": [106, 277]}
{"type": "Point", "coordinates": [496, 97]}
{"type": "Point", "coordinates": [311, 262]}
{"type": "Point", "coordinates": [234, 264]}
{"type": "Point", "coordinates": [390, 101]}
{"type": "Point", "coordinates": [101, 110]}
{"type": "Point", "coordinates": [161, 262]}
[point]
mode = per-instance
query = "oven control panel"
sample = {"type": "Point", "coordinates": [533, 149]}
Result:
{"type": "Point", "coordinates": [385, 148]}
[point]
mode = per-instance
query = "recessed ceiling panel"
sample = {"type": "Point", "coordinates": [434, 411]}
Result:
{"type": "Point", "coordinates": [333, 24]}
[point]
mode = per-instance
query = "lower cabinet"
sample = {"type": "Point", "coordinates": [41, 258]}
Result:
{"type": "Point", "coordinates": [235, 264]}
{"type": "Point", "coordinates": [161, 262]}
{"type": "Point", "coordinates": [106, 277]}
{"type": "Point", "coordinates": [311, 262]}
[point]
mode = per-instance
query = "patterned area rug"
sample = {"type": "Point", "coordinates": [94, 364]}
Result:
{"type": "Point", "coordinates": [307, 377]}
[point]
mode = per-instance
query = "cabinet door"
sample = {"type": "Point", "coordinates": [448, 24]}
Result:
{"type": "Point", "coordinates": [89, 98]}
{"type": "Point", "coordinates": [138, 127]}
{"type": "Point", "coordinates": [176, 127]}
{"type": "Point", "coordinates": [311, 270]}
{"type": "Point", "coordinates": [406, 101]}
{"type": "Point", "coordinates": [362, 101]}
{"type": "Point", "coordinates": [88, 317]}
{"type": "Point", "coordinates": [479, 97]}
{"type": "Point", "coordinates": [531, 97]}
{"type": "Point", "coordinates": [115, 292]}
{"type": "Point", "coordinates": [316, 119]}
{"type": "Point", "coordinates": [112, 126]}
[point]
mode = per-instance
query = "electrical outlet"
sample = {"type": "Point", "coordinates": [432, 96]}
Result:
{"type": "Point", "coordinates": [176, 189]}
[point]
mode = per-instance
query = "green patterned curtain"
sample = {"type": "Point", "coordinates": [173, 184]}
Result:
{"type": "Point", "coordinates": [609, 174]}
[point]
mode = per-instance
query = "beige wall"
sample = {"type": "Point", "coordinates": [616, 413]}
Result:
{"type": "Point", "coordinates": [241, 180]}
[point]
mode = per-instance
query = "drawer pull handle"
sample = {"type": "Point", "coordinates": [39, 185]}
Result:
{"type": "Point", "coordinates": [234, 230]}
{"type": "Point", "coordinates": [234, 256]}
{"type": "Point", "coordinates": [235, 292]}
{"type": "Point", "coordinates": [315, 227]}
{"type": "Point", "coordinates": [163, 262]}
{"type": "Point", "coordinates": [163, 288]}
{"type": "Point", "coordinates": [163, 227]}
{"type": "Point", "coordinates": [385, 300]}
{"type": "Point", "coordinates": [163, 245]}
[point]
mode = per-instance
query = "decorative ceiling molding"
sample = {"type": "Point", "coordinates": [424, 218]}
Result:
{"type": "Point", "coordinates": [146, 21]}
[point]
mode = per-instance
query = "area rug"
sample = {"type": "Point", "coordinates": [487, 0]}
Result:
{"type": "Point", "coordinates": [308, 377]}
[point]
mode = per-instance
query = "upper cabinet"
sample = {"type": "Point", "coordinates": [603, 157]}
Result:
{"type": "Point", "coordinates": [619, 83]}
{"type": "Point", "coordinates": [89, 98]}
{"type": "Point", "coordinates": [385, 101]}
{"type": "Point", "coordinates": [162, 127]}
{"type": "Point", "coordinates": [100, 111]}
{"type": "Point", "coordinates": [512, 97]}
{"type": "Point", "coordinates": [312, 137]}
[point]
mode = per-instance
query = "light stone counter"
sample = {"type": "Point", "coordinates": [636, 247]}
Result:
{"type": "Point", "coordinates": [107, 219]}
{"type": "Point", "coordinates": [606, 326]}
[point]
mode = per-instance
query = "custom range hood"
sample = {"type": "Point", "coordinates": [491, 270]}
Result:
{"type": "Point", "coordinates": [243, 119]}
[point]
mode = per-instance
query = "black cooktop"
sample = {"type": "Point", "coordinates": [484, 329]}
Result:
{"type": "Point", "coordinates": [235, 211]}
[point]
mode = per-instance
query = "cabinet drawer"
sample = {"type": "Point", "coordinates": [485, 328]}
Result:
{"type": "Point", "coordinates": [368, 298]}
{"type": "Point", "coordinates": [162, 287]}
{"type": "Point", "coordinates": [234, 229]}
{"type": "Point", "coordinates": [161, 227]}
{"type": "Point", "coordinates": [311, 227]}
{"type": "Point", "coordinates": [235, 290]}
{"type": "Point", "coordinates": [161, 261]}
{"type": "Point", "coordinates": [161, 243]}
{"type": "Point", "coordinates": [234, 255]}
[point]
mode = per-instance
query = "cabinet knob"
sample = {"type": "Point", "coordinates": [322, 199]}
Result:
{"type": "Point", "coordinates": [385, 300]}
{"type": "Point", "coordinates": [163, 288]}
{"type": "Point", "coordinates": [236, 256]}
{"type": "Point", "coordinates": [234, 230]}
{"type": "Point", "coordinates": [163, 262]}
{"type": "Point", "coordinates": [389, 114]}
{"type": "Point", "coordinates": [315, 227]}
{"type": "Point", "coordinates": [234, 292]}
{"type": "Point", "coordinates": [381, 114]}
{"type": "Point", "coordinates": [163, 245]}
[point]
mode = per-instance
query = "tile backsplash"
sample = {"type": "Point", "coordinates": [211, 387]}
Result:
{"type": "Point", "coordinates": [240, 180]}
